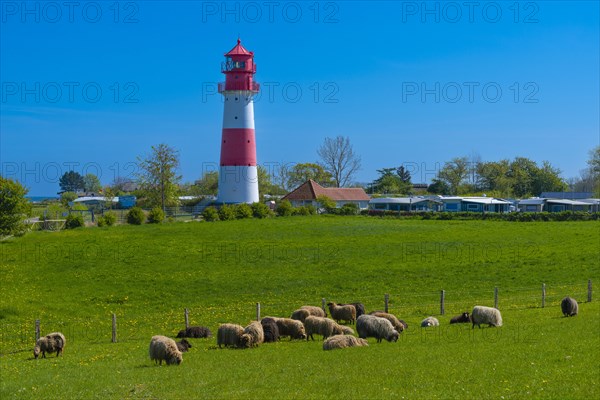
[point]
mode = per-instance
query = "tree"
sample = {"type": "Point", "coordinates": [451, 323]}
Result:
{"type": "Point", "coordinates": [493, 176]}
{"type": "Point", "coordinates": [158, 177]}
{"type": "Point", "coordinates": [388, 181]}
{"type": "Point", "coordinates": [71, 181]}
{"type": "Point", "coordinates": [454, 173]}
{"type": "Point", "coordinates": [91, 183]}
{"type": "Point", "coordinates": [339, 159]}
{"type": "Point", "coordinates": [438, 187]}
{"type": "Point", "coordinates": [67, 197]}
{"type": "Point", "coordinates": [594, 170]}
{"type": "Point", "coordinates": [547, 179]}
{"type": "Point", "coordinates": [208, 184]}
{"type": "Point", "coordinates": [14, 207]}
{"type": "Point", "coordinates": [300, 173]}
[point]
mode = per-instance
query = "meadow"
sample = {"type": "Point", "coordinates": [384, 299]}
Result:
{"type": "Point", "coordinates": [73, 281]}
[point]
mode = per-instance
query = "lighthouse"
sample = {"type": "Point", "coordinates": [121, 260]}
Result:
{"type": "Point", "coordinates": [238, 178]}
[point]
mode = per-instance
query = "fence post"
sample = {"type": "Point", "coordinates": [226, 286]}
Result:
{"type": "Point", "coordinates": [496, 297]}
{"type": "Point", "coordinates": [589, 290]}
{"type": "Point", "coordinates": [37, 329]}
{"type": "Point", "coordinates": [543, 295]}
{"type": "Point", "coordinates": [442, 302]}
{"type": "Point", "coordinates": [387, 302]}
{"type": "Point", "coordinates": [187, 318]}
{"type": "Point", "coordinates": [114, 328]}
{"type": "Point", "coordinates": [323, 305]}
{"type": "Point", "coordinates": [258, 311]}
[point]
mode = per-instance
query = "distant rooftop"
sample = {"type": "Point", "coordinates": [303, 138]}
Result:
{"type": "Point", "coordinates": [567, 195]}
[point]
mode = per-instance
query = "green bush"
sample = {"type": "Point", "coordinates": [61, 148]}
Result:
{"type": "Point", "coordinates": [284, 209]}
{"type": "Point", "coordinates": [110, 218]}
{"type": "Point", "coordinates": [243, 211]}
{"type": "Point", "coordinates": [136, 216]}
{"type": "Point", "coordinates": [74, 221]}
{"type": "Point", "coordinates": [260, 210]}
{"type": "Point", "coordinates": [210, 214]}
{"type": "Point", "coordinates": [328, 204]}
{"type": "Point", "coordinates": [349, 209]}
{"type": "Point", "coordinates": [226, 212]}
{"type": "Point", "coordinates": [302, 210]}
{"type": "Point", "coordinates": [156, 215]}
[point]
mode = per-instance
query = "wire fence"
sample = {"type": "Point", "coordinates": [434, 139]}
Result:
{"type": "Point", "coordinates": [127, 327]}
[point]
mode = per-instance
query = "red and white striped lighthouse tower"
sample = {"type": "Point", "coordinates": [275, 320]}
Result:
{"type": "Point", "coordinates": [238, 179]}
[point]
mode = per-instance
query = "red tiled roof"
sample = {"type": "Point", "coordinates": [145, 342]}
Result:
{"type": "Point", "coordinates": [310, 190]}
{"type": "Point", "coordinates": [239, 50]}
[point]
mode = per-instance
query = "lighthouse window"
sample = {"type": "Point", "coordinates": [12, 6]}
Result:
{"type": "Point", "coordinates": [235, 117]}
{"type": "Point", "coordinates": [240, 64]}
{"type": "Point", "coordinates": [236, 99]}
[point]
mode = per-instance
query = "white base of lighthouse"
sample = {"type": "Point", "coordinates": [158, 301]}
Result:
{"type": "Point", "coordinates": [238, 184]}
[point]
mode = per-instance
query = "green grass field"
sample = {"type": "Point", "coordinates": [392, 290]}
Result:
{"type": "Point", "coordinates": [74, 280]}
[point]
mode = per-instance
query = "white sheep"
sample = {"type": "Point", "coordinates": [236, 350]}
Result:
{"type": "Point", "coordinates": [343, 341]}
{"type": "Point", "coordinates": [569, 306]}
{"type": "Point", "coordinates": [342, 313]}
{"type": "Point", "coordinates": [229, 335]}
{"type": "Point", "coordinates": [165, 349]}
{"type": "Point", "coordinates": [377, 327]}
{"type": "Point", "coordinates": [290, 327]}
{"type": "Point", "coordinates": [253, 335]}
{"type": "Point", "coordinates": [316, 311]}
{"type": "Point", "coordinates": [486, 315]}
{"type": "Point", "coordinates": [51, 343]}
{"type": "Point", "coordinates": [430, 321]}
{"type": "Point", "coordinates": [300, 315]}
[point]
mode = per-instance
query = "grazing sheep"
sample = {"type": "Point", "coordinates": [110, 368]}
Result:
{"type": "Point", "coordinates": [377, 327]}
{"type": "Point", "coordinates": [360, 308]}
{"type": "Point", "coordinates": [51, 343]}
{"type": "Point", "coordinates": [323, 326]}
{"type": "Point", "coordinates": [430, 321]}
{"type": "Point", "coordinates": [229, 335]}
{"type": "Point", "coordinates": [486, 315]}
{"type": "Point", "coordinates": [404, 324]}
{"type": "Point", "coordinates": [342, 313]}
{"type": "Point", "coordinates": [316, 311]}
{"type": "Point", "coordinates": [569, 306]}
{"type": "Point", "coordinates": [290, 327]}
{"type": "Point", "coordinates": [195, 332]}
{"type": "Point", "coordinates": [270, 329]}
{"type": "Point", "coordinates": [343, 341]}
{"type": "Point", "coordinates": [343, 330]}
{"type": "Point", "coordinates": [183, 345]}
{"type": "Point", "coordinates": [300, 315]}
{"type": "Point", "coordinates": [461, 319]}
{"type": "Point", "coordinates": [253, 335]}
{"type": "Point", "coordinates": [392, 318]}
{"type": "Point", "coordinates": [165, 349]}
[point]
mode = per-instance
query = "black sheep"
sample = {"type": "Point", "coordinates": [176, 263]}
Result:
{"type": "Point", "coordinates": [270, 329]}
{"type": "Point", "coordinates": [194, 332]}
{"type": "Point", "coordinates": [461, 319]}
{"type": "Point", "coordinates": [183, 345]}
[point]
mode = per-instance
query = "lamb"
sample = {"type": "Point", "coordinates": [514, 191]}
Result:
{"type": "Point", "coordinates": [183, 345]}
{"type": "Point", "coordinates": [229, 335]}
{"type": "Point", "coordinates": [165, 349]}
{"type": "Point", "coordinates": [316, 311]}
{"type": "Point", "coordinates": [430, 321]}
{"type": "Point", "coordinates": [486, 315]}
{"type": "Point", "coordinates": [377, 327]}
{"type": "Point", "coordinates": [360, 308]}
{"type": "Point", "coordinates": [51, 343]}
{"type": "Point", "coordinates": [270, 329]}
{"type": "Point", "coordinates": [461, 319]}
{"type": "Point", "coordinates": [195, 332]}
{"type": "Point", "coordinates": [569, 307]}
{"type": "Point", "coordinates": [392, 318]}
{"type": "Point", "coordinates": [323, 326]}
{"type": "Point", "coordinates": [253, 335]}
{"type": "Point", "coordinates": [300, 315]}
{"type": "Point", "coordinates": [342, 313]}
{"type": "Point", "coordinates": [343, 341]}
{"type": "Point", "coordinates": [290, 327]}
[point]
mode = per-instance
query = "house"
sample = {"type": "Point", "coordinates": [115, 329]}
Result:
{"type": "Point", "coordinates": [308, 192]}
{"type": "Point", "coordinates": [566, 195]}
{"type": "Point", "coordinates": [419, 203]}
{"type": "Point", "coordinates": [532, 205]}
{"type": "Point", "coordinates": [475, 204]}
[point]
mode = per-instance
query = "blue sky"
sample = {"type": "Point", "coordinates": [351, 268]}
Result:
{"type": "Point", "coordinates": [91, 86]}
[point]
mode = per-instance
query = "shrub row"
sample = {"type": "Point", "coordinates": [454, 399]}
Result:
{"type": "Point", "coordinates": [228, 212]}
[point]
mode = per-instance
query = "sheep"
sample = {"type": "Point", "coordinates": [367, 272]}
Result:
{"type": "Point", "coordinates": [183, 345]}
{"type": "Point", "coordinates": [229, 335]}
{"type": "Point", "coordinates": [342, 313]}
{"type": "Point", "coordinates": [569, 306]}
{"type": "Point", "coordinates": [165, 349]}
{"type": "Point", "coordinates": [486, 315]}
{"type": "Point", "coordinates": [290, 327]}
{"type": "Point", "coordinates": [51, 343]}
{"type": "Point", "coordinates": [404, 324]}
{"type": "Point", "coordinates": [377, 327]}
{"type": "Point", "coordinates": [300, 315]}
{"type": "Point", "coordinates": [461, 319]}
{"type": "Point", "coordinates": [194, 332]}
{"type": "Point", "coordinates": [343, 330]}
{"type": "Point", "coordinates": [360, 308]}
{"type": "Point", "coordinates": [430, 321]}
{"type": "Point", "coordinates": [343, 341]}
{"type": "Point", "coordinates": [270, 329]}
{"type": "Point", "coordinates": [392, 318]}
{"type": "Point", "coordinates": [316, 311]}
{"type": "Point", "coordinates": [253, 335]}
{"type": "Point", "coordinates": [323, 326]}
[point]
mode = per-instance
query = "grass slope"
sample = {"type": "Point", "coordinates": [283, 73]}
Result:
{"type": "Point", "coordinates": [74, 280]}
